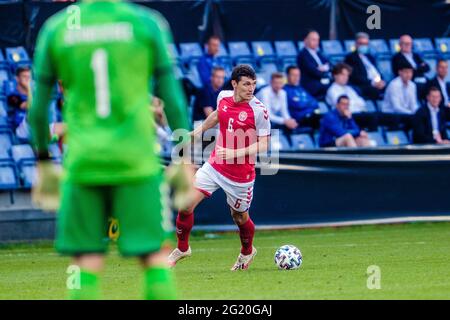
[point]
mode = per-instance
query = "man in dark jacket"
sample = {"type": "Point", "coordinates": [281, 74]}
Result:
{"type": "Point", "coordinates": [429, 120]}
{"type": "Point", "coordinates": [406, 55]}
{"type": "Point", "coordinates": [365, 75]}
{"type": "Point", "coordinates": [314, 66]}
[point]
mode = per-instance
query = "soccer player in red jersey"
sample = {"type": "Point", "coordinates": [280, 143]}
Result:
{"type": "Point", "coordinates": [244, 131]}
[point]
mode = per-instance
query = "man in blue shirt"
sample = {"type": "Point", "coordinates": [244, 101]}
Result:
{"type": "Point", "coordinates": [205, 102]}
{"type": "Point", "coordinates": [209, 60]}
{"type": "Point", "coordinates": [17, 98]}
{"type": "Point", "coordinates": [301, 104]}
{"type": "Point", "coordinates": [338, 129]}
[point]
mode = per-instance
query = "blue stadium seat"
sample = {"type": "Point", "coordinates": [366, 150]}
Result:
{"type": "Point", "coordinates": [285, 49]}
{"type": "Point", "coordinates": [300, 45]}
{"type": "Point", "coordinates": [28, 173]}
{"type": "Point", "coordinates": [5, 139]}
{"type": "Point", "coordinates": [432, 63]}
{"type": "Point", "coordinates": [3, 108]}
{"type": "Point", "coordinates": [323, 107]}
{"type": "Point", "coordinates": [302, 142]}
{"type": "Point", "coordinates": [263, 50]}
{"type": "Point", "coordinates": [377, 137]}
{"type": "Point", "coordinates": [4, 121]}
{"type": "Point", "coordinates": [396, 138]}
{"type": "Point", "coordinates": [370, 106]}
{"type": "Point", "coordinates": [3, 62]}
{"type": "Point", "coordinates": [443, 47]}
{"type": "Point", "coordinates": [349, 45]}
{"type": "Point", "coordinates": [265, 72]}
{"type": "Point", "coordinates": [193, 75]}
{"type": "Point", "coordinates": [279, 142]}
{"type": "Point", "coordinates": [379, 48]}
{"type": "Point", "coordinates": [425, 47]}
{"type": "Point", "coordinates": [8, 175]}
{"type": "Point", "coordinates": [332, 48]}
{"type": "Point", "coordinates": [16, 57]}
{"type": "Point", "coordinates": [394, 46]}
{"type": "Point", "coordinates": [240, 52]}
{"type": "Point", "coordinates": [4, 76]}
{"type": "Point", "coordinates": [22, 152]}
{"type": "Point", "coordinates": [190, 51]}
{"type": "Point", "coordinates": [286, 62]}
{"type": "Point", "coordinates": [385, 68]}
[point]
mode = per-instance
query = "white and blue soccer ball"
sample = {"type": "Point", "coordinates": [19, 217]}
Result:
{"type": "Point", "coordinates": [288, 257]}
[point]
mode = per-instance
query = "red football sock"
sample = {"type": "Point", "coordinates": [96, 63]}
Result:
{"type": "Point", "coordinates": [246, 233]}
{"type": "Point", "coordinates": [184, 227]}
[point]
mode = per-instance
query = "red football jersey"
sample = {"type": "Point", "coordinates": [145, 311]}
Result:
{"type": "Point", "coordinates": [240, 125]}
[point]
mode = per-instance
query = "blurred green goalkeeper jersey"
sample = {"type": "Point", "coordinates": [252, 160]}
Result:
{"type": "Point", "coordinates": [106, 53]}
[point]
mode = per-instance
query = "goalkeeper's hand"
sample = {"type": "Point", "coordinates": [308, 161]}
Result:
{"type": "Point", "coordinates": [180, 178]}
{"type": "Point", "coordinates": [45, 192]}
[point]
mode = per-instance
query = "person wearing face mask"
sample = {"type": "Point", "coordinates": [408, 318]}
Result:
{"type": "Point", "coordinates": [365, 76]}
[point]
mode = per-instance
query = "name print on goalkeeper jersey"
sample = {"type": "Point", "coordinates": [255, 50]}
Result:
{"type": "Point", "coordinates": [105, 67]}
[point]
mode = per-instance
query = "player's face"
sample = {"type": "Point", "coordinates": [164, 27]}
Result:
{"type": "Point", "coordinates": [23, 78]}
{"type": "Point", "coordinates": [442, 69]}
{"type": "Point", "coordinates": [245, 88]}
{"type": "Point", "coordinates": [434, 98]}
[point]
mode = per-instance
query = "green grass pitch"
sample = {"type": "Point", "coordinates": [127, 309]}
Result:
{"type": "Point", "coordinates": [414, 260]}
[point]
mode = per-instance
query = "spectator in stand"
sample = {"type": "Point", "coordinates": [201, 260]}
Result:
{"type": "Point", "coordinates": [400, 100]}
{"type": "Point", "coordinates": [429, 120]}
{"type": "Point", "coordinates": [274, 97]}
{"type": "Point", "coordinates": [209, 60]}
{"type": "Point", "coordinates": [365, 75]}
{"type": "Point", "coordinates": [18, 98]}
{"type": "Point", "coordinates": [439, 82]}
{"type": "Point", "coordinates": [338, 129]}
{"type": "Point", "coordinates": [341, 73]}
{"type": "Point", "coordinates": [407, 56]}
{"type": "Point", "coordinates": [301, 104]}
{"type": "Point", "coordinates": [206, 100]}
{"type": "Point", "coordinates": [314, 66]}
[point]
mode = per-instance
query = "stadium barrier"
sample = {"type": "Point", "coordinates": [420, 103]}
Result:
{"type": "Point", "coordinates": [324, 186]}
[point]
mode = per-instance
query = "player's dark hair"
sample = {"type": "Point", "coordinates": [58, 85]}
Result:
{"type": "Point", "coordinates": [243, 70]}
{"type": "Point", "coordinates": [337, 69]}
{"type": "Point", "coordinates": [19, 70]}
{"type": "Point", "coordinates": [291, 67]}
{"type": "Point", "coordinates": [342, 97]}
{"type": "Point", "coordinates": [405, 65]}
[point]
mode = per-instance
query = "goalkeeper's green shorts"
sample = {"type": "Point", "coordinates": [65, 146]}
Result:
{"type": "Point", "coordinates": [140, 208]}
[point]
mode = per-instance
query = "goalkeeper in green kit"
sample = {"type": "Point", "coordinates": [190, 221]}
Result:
{"type": "Point", "coordinates": [111, 167]}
